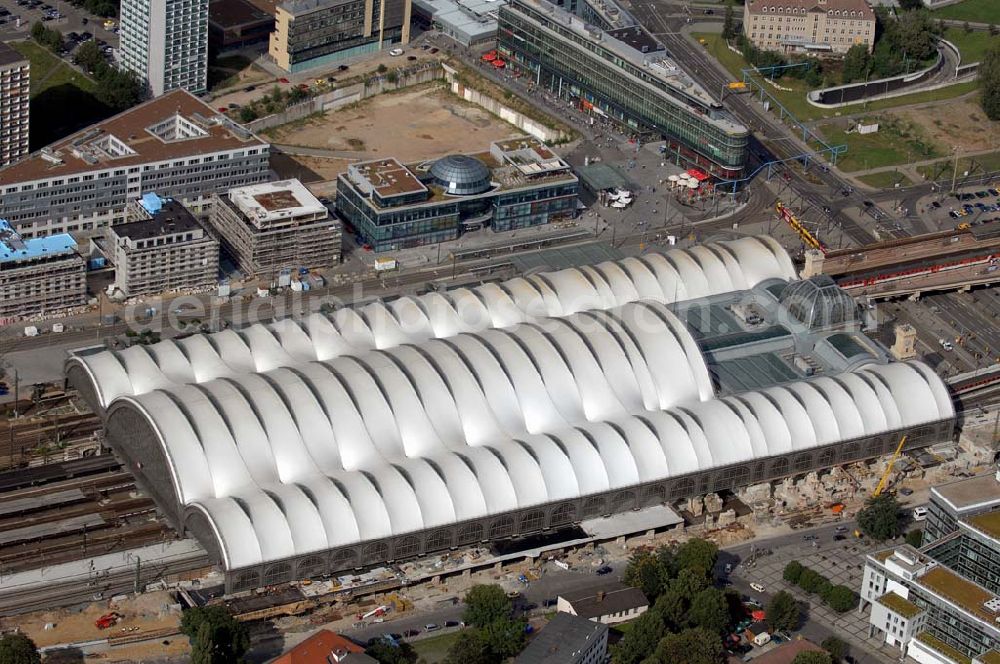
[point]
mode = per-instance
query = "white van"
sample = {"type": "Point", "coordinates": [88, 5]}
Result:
{"type": "Point", "coordinates": [919, 513]}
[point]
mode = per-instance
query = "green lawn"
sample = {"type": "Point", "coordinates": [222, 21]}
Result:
{"type": "Point", "coordinates": [886, 180]}
{"type": "Point", "coordinates": [976, 11]}
{"type": "Point", "coordinates": [48, 71]}
{"type": "Point", "coordinates": [972, 45]}
{"type": "Point", "coordinates": [435, 648]}
{"type": "Point", "coordinates": [797, 103]}
{"type": "Point", "coordinates": [893, 144]}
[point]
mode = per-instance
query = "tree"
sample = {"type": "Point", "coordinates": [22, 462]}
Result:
{"type": "Point", "coordinates": [381, 69]}
{"type": "Point", "coordinates": [841, 599]}
{"type": "Point", "coordinates": [915, 538]}
{"type": "Point", "coordinates": [856, 63]}
{"type": "Point", "coordinates": [698, 555]}
{"type": "Point", "coordinates": [503, 637]}
{"type": "Point", "coordinates": [470, 648]}
{"type": "Point", "coordinates": [729, 25]}
{"type": "Point", "coordinates": [671, 608]}
{"type": "Point", "coordinates": [989, 81]}
{"type": "Point", "coordinates": [641, 640]}
{"type": "Point", "coordinates": [646, 571]}
{"type": "Point", "coordinates": [387, 652]}
{"type": "Point", "coordinates": [783, 612]}
{"type": "Point", "coordinates": [692, 646]}
{"type": "Point", "coordinates": [248, 114]}
{"type": "Point", "coordinates": [89, 56]}
{"type": "Point", "coordinates": [18, 649]}
{"type": "Point", "coordinates": [485, 604]}
{"type": "Point", "coordinates": [793, 570]}
{"type": "Point", "coordinates": [688, 583]}
{"type": "Point", "coordinates": [836, 648]}
{"type": "Point", "coordinates": [709, 610]}
{"type": "Point", "coordinates": [812, 657]}
{"type": "Point", "coordinates": [119, 88]}
{"type": "Point", "coordinates": [216, 637]}
{"type": "Point", "coordinates": [910, 4]}
{"type": "Point", "coordinates": [879, 518]}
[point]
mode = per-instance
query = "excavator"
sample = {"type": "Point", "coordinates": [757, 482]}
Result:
{"type": "Point", "coordinates": [884, 480]}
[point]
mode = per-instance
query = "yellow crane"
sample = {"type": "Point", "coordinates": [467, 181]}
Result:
{"type": "Point", "coordinates": [885, 476]}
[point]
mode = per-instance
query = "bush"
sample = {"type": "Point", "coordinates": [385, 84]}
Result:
{"type": "Point", "coordinates": [810, 581]}
{"type": "Point", "coordinates": [915, 538]}
{"type": "Point", "coordinates": [841, 599]}
{"type": "Point", "coordinates": [793, 571]}
{"type": "Point", "coordinates": [836, 648]}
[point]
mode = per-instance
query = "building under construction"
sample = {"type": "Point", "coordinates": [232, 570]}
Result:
{"type": "Point", "coordinates": [39, 275]}
{"type": "Point", "coordinates": [276, 225]}
{"type": "Point", "coordinates": [161, 248]}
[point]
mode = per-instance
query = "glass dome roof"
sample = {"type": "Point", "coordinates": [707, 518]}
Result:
{"type": "Point", "coordinates": [461, 175]}
{"type": "Point", "coordinates": [818, 302]}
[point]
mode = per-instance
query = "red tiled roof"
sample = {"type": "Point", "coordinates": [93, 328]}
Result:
{"type": "Point", "coordinates": [786, 652]}
{"type": "Point", "coordinates": [317, 648]}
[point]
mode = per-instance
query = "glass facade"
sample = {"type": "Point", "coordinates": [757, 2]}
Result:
{"type": "Point", "coordinates": [430, 222]}
{"type": "Point", "coordinates": [574, 66]}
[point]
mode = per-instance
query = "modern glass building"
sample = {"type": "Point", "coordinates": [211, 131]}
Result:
{"type": "Point", "coordinates": [518, 183]}
{"type": "Point", "coordinates": [626, 75]}
{"type": "Point", "coordinates": [940, 605]}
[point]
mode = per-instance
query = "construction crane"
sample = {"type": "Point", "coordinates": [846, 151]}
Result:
{"type": "Point", "coordinates": [885, 476]}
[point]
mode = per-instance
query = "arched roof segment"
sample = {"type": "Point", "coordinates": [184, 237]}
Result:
{"type": "Point", "coordinates": [666, 277]}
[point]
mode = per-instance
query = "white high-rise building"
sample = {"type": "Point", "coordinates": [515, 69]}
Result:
{"type": "Point", "coordinates": [14, 84]}
{"type": "Point", "coordinates": [166, 43]}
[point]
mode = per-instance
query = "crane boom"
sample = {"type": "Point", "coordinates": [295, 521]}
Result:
{"type": "Point", "coordinates": [892, 462]}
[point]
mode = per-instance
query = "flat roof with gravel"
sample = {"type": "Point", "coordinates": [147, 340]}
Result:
{"type": "Point", "coordinates": [987, 523]}
{"type": "Point", "coordinates": [934, 643]}
{"type": "Point", "coordinates": [959, 591]}
{"type": "Point", "coordinates": [970, 493]}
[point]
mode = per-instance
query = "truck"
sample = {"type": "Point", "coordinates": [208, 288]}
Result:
{"type": "Point", "coordinates": [385, 263]}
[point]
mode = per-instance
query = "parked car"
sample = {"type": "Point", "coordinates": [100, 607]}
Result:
{"type": "Point", "coordinates": [606, 569]}
{"type": "Point", "coordinates": [430, 627]}
{"type": "Point", "coordinates": [757, 587]}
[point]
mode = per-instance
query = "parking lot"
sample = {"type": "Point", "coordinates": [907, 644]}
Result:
{"type": "Point", "coordinates": [977, 205]}
{"type": "Point", "coordinates": [17, 17]}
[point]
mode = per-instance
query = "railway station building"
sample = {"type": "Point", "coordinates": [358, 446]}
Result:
{"type": "Point", "coordinates": [517, 183]}
{"type": "Point", "coordinates": [623, 74]}
{"type": "Point", "coordinates": [390, 430]}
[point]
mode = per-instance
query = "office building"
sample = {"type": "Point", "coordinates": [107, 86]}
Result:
{"type": "Point", "coordinates": [313, 33]}
{"type": "Point", "coordinates": [626, 75]}
{"type": "Point", "coordinates": [567, 639]}
{"type": "Point", "coordinates": [269, 227]}
{"type": "Point", "coordinates": [162, 247]}
{"type": "Point", "coordinates": [394, 429]}
{"type": "Point", "coordinates": [941, 604]}
{"type": "Point", "coordinates": [165, 42]}
{"type": "Point", "coordinates": [175, 145]}
{"type": "Point", "coordinates": [472, 23]}
{"type": "Point", "coordinates": [828, 27]}
{"type": "Point", "coordinates": [238, 23]}
{"type": "Point", "coordinates": [516, 184]}
{"type": "Point", "coordinates": [39, 275]}
{"type": "Point", "coordinates": [15, 79]}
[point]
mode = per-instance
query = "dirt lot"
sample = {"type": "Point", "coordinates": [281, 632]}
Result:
{"type": "Point", "coordinates": [418, 123]}
{"type": "Point", "coordinates": [149, 612]}
{"type": "Point", "coordinates": [959, 123]}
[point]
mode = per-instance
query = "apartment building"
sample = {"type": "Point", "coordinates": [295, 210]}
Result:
{"type": "Point", "coordinates": [941, 604]}
{"type": "Point", "coordinates": [270, 227]}
{"type": "Point", "coordinates": [14, 89]}
{"type": "Point", "coordinates": [175, 145]}
{"type": "Point", "coordinates": [165, 42]}
{"type": "Point", "coordinates": [624, 75]}
{"type": "Point", "coordinates": [312, 33]}
{"type": "Point", "coordinates": [809, 26]}
{"type": "Point", "coordinates": [39, 275]}
{"type": "Point", "coordinates": [162, 247]}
